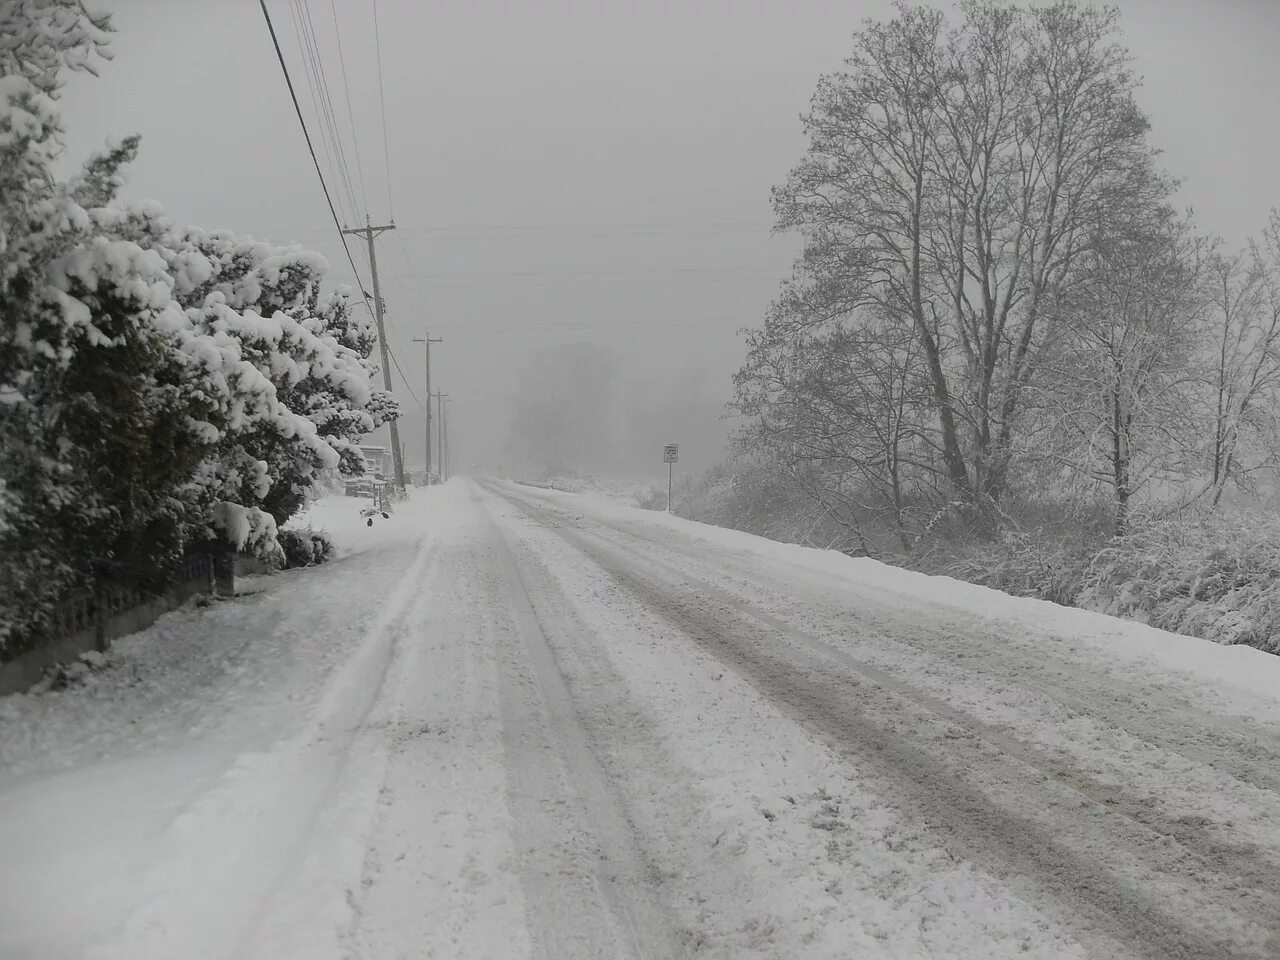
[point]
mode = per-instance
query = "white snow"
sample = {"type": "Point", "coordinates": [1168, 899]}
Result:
{"type": "Point", "coordinates": [509, 722]}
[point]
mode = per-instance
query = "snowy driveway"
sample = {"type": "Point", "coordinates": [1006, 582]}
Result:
{"type": "Point", "coordinates": [514, 723]}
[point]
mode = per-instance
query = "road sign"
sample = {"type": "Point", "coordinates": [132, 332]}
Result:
{"type": "Point", "coordinates": [670, 454]}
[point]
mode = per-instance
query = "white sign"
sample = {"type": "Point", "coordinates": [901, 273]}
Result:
{"type": "Point", "coordinates": [671, 453]}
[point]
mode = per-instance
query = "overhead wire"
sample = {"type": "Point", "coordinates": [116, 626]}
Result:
{"type": "Point", "coordinates": [332, 113]}
{"type": "Point", "coordinates": [322, 100]}
{"type": "Point", "coordinates": [346, 87]}
{"type": "Point", "coordinates": [310, 72]}
{"type": "Point", "coordinates": [275, 41]}
{"type": "Point", "coordinates": [326, 102]}
{"type": "Point", "coordinates": [640, 271]}
{"type": "Point", "coordinates": [386, 153]}
{"type": "Point", "coordinates": [403, 379]}
{"type": "Point", "coordinates": [622, 230]}
{"type": "Point", "coordinates": [595, 226]}
{"type": "Point", "coordinates": [606, 284]}
{"type": "Point", "coordinates": [326, 149]}
{"type": "Point", "coordinates": [409, 293]}
{"type": "Point", "coordinates": [506, 325]}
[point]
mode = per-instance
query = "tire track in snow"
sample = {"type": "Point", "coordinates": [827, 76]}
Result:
{"type": "Point", "coordinates": [437, 879]}
{"type": "Point", "coordinates": [1241, 861]}
{"type": "Point", "coordinates": [985, 655]}
{"type": "Point", "coordinates": [1082, 880]}
{"type": "Point", "coordinates": [590, 892]}
{"type": "Point", "coordinates": [986, 660]}
{"type": "Point", "coordinates": [1144, 922]}
{"type": "Point", "coordinates": [276, 800]}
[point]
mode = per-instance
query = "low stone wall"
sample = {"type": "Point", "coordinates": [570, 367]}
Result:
{"type": "Point", "coordinates": [91, 620]}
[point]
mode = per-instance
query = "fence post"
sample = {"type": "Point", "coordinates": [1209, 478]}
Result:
{"type": "Point", "coordinates": [99, 617]}
{"type": "Point", "coordinates": [224, 573]}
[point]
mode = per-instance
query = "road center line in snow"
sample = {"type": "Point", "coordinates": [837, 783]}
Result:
{"type": "Point", "coordinates": [585, 881]}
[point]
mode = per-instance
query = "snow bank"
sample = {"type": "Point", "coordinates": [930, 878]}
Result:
{"type": "Point", "coordinates": [150, 810]}
{"type": "Point", "coordinates": [1096, 634]}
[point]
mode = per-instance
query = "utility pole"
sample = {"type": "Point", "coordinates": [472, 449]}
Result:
{"type": "Point", "coordinates": [444, 453]}
{"type": "Point", "coordinates": [440, 398]}
{"type": "Point", "coordinates": [368, 232]}
{"type": "Point", "coordinates": [426, 342]}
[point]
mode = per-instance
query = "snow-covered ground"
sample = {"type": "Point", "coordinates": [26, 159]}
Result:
{"type": "Point", "coordinates": [518, 723]}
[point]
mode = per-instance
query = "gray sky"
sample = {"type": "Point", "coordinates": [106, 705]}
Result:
{"type": "Point", "coordinates": [583, 171]}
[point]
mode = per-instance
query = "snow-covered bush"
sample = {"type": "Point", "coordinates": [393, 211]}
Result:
{"type": "Point", "coordinates": [1024, 564]}
{"type": "Point", "coordinates": [304, 548]}
{"type": "Point", "coordinates": [1214, 577]}
{"type": "Point", "coordinates": [161, 389]}
{"type": "Point", "coordinates": [651, 498]}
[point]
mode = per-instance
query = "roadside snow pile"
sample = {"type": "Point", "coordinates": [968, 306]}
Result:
{"type": "Point", "coordinates": [1023, 563]}
{"type": "Point", "coordinates": [1094, 633]}
{"type": "Point", "coordinates": [1218, 579]}
{"type": "Point", "coordinates": [305, 547]}
{"type": "Point", "coordinates": [340, 519]}
{"type": "Point", "coordinates": [625, 491]}
{"type": "Point", "coordinates": [204, 658]}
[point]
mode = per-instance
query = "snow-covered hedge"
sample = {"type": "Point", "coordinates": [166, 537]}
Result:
{"type": "Point", "coordinates": [305, 548]}
{"type": "Point", "coordinates": [1026, 565]}
{"type": "Point", "coordinates": [1215, 577]}
{"type": "Point", "coordinates": [162, 389]}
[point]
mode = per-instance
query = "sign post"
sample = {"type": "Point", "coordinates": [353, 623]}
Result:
{"type": "Point", "coordinates": [670, 454]}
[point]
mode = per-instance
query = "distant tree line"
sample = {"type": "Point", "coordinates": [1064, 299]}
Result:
{"type": "Point", "coordinates": [162, 389]}
{"type": "Point", "coordinates": [998, 306]}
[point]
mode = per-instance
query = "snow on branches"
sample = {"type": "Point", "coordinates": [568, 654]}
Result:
{"type": "Point", "coordinates": [160, 387]}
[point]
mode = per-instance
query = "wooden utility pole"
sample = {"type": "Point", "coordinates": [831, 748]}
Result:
{"type": "Point", "coordinates": [368, 232]}
{"type": "Point", "coordinates": [444, 451]}
{"type": "Point", "coordinates": [440, 398]}
{"type": "Point", "coordinates": [426, 342]}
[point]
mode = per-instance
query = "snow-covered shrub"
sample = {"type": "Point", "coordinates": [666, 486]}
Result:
{"type": "Point", "coordinates": [1024, 564]}
{"type": "Point", "coordinates": [263, 303]}
{"type": "Point", "coordinates": [304, 548]}
{"type": "Point", "coordinates": [742, 493]}
{"type": "Point", "coordinates": [1216, 577]}
{"type": "Point", "coordinates": [161, 389]}
{"type": "Point", "coordinates": [651, 498]}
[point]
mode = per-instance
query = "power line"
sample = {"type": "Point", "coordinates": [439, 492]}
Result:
{"type": "Point", "coordinates": [329, 114]}
{"type": "Point", "coordinates": [531, 231]}
{"type": "Point", "coordinates": [309, 71]}
{"type": "Point", "coordinates": [640, 271]}
{"type": "Point", "coordinates": [596, 226]}
{"type": "Point", "coordinates": [457, 328]}
{"type": "Point", "coordinates": [310, 147]}
{"type": "Point", "coordinates": [410, 294]}
{"type": "Point", "coordinates": [351, 120]}
{"type": "Point", "coordinates": [603, 284]}
{"type": "Point", "coordinates": [330, 163]}
{"type": "Point", "coordinates": [403, 379]}
{"type": "Point", "coordinates": [386, 153]}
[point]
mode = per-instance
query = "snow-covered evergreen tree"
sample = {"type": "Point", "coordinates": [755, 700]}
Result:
{"type": "Point", "coordinates": [160, 388]}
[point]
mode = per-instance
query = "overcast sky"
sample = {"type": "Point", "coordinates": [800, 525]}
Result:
{"type": "Point", "coordinates": [582, 171]}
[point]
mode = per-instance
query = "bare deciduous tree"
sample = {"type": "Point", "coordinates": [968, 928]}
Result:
{"type": "Point", "coordinates": [1121, 397]}
{"type": "Point", "coordinates": [1242, 361]}
{"type": "Point", "coordinates": [951, 180]}
{"type": "Point", "coordinates": [846, 414]}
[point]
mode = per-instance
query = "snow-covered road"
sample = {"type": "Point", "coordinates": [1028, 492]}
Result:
{"type": "Point", "coordinates": [516, 723]}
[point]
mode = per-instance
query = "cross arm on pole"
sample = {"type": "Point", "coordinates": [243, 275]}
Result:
{"type": "Point", "coordinates": [369, 231]}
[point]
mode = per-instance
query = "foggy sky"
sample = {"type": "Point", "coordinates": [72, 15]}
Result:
{"type": "Point", "coordinates": [583, 172]}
